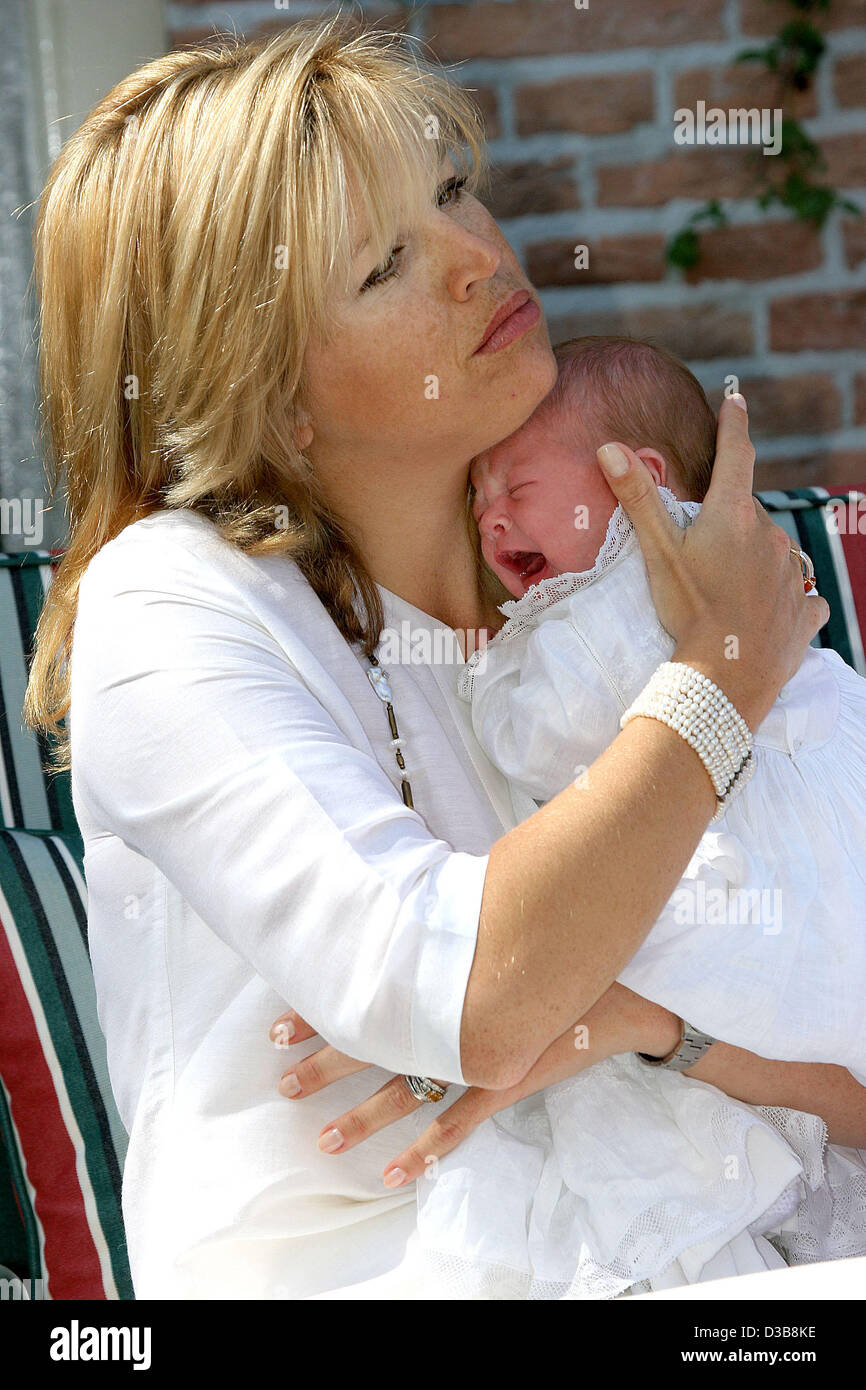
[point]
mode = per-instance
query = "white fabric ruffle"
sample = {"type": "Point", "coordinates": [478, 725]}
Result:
{"type": "Point", "coordinates": [626, 1178]}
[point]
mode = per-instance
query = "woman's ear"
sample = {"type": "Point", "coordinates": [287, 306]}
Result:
{"type": "Point", "coordinates": [302, 429]}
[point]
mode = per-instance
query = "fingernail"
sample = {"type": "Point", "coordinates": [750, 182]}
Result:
{"type": "Point", "coordinates": [395, 1178]}
{"type": "Point", "coordinates": [613, 460]}
{"type": "Point", "coordinates": [289, 1084]}
{"type": "Point", "coordinates": [282, 1033]}
{"type": "Point", "coordinates": [739, 400]}
{"type": "Point", "coordinates": [331, 1141]}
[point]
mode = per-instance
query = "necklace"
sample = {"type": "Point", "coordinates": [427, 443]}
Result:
{"type": "Point", "coordinates": [382, 686]}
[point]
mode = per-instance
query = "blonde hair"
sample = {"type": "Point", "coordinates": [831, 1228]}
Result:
{"type": "Point", "coordinates": [612, 387]}
{"type": "Point", "coordinates": [187, 240]}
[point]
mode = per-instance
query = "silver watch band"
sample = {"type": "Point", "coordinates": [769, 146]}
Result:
{"type": "Point", "coordinates": [692, 1047]}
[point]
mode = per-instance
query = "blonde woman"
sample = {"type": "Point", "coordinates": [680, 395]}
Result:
{"type": "Point", "coordinates": [269, 349]}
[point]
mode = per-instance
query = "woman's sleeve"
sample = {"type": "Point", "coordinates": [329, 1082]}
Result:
{"type": "Point", "coordinates": [197, 742]}
{"type": "Point", "coordinates": [544, 716]}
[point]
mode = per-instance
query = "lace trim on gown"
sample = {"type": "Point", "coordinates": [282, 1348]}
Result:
{"type": "Point", "coordinates": [819, 1215]}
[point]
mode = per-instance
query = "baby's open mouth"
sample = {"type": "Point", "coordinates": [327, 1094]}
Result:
{"type": "Point", "coordinates": [524, 563]}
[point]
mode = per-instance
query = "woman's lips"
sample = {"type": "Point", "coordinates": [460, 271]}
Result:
{"type": "Point", "coordinates": [523, 317]}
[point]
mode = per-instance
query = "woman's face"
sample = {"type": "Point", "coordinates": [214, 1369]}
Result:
{"type": "Point", "coordinates": [402, 379]}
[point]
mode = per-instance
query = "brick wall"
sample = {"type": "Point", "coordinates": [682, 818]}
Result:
{"type": "Point", "coordinates": [579, 108]}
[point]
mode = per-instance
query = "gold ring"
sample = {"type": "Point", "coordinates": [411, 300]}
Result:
{"type": "Point", "coordinates": [809, 580]}
{"type": "Point", "coordinates": [424, 1089]}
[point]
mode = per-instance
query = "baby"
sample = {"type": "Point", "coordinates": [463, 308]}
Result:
{"type": "Point", "coordinates": [542, 503]}
{"type": "Point", "coordinates": [763, 944]}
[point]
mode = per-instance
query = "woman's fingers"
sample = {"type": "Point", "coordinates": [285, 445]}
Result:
{"type": "Point", "coordinates": [635, 487]}
{"type": "Point", "coordinates": [733, 475]}
{"type": "Point", "coordinates": [290, 1028]}
{"type": "Point", "coordinates": [447, 1130]}
{"type": "Point", "coordinates": [813, 610]}
{"type": "Point", "coordinates": [313, 1073]}
{"type": "Point", "coordinates": [391, 1102]}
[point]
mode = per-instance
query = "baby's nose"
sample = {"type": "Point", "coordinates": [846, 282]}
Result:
{"type": "Point", "coordinates": [494, 523]}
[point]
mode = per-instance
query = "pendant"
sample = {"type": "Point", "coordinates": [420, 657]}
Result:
{"type": "Point", "coordinates": [380, 683]}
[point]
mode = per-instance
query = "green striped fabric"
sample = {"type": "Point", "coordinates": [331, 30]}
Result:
{"type": "Point", "coordinates": [64, 1139]}
{"type": "Point", "coordinates": [29, 797]}
{"type": "Point", "coordinates": [14, 1254]}
{"type": "Point", "coordinates": [803, 513]}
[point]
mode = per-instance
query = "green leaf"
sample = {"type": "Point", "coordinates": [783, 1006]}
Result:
{"type": "Point", "coordinates": [683, 250]}
{"type": "Point", "coordinates": [798, 148]}
{"type": "Point", "coordinates": [754, 55]}
{"type": "Point", "coordinates": [714, 212]}
{"type": "Point", "coordinates": [802, 45]}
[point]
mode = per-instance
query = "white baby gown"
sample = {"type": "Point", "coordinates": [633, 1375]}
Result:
{"type": "Point", "coordinates": [626, 1177]}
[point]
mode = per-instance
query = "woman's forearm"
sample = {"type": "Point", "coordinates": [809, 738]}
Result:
{"type": "Point", "coordinates": [819, 1089]}
{"type": "Point", "coordinates": [623, 1021]}
{"type": "Point", "coordinates": [571, 893]}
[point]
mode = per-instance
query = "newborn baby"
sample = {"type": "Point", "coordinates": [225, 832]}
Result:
{"type": "Point", "coordinates": [542, 503]}
{"type": "Point", "coordinates": [627, 1172]}
{"type": "Point", "coordinates": [774, 959]}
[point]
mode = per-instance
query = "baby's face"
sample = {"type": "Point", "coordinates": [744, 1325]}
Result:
{"type": "Point", "coordinates": [541, 506]}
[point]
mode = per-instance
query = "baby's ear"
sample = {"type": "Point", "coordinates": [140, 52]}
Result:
{"type": "Point", "coordinates": [656, 464]}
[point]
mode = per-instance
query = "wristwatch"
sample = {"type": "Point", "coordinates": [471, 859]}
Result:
{"type": "Point", "coordinates": [690, 1048]}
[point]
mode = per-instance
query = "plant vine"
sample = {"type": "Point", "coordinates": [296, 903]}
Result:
{"type": "Point", "coordinates": [793, 56]}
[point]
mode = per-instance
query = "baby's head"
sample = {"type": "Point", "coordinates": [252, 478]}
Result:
{"type": "Point", "coordinates": [541, 501]}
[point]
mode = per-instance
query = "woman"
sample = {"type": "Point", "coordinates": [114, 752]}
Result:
{"type": "Point", "coordinates": [266, 363]}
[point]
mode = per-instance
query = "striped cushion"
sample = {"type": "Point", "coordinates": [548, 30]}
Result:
{"type": "Point", "coordinates": [13, 1235]}
{"type": "Point", "coordinates": [29, 798]}
{"type": "Point", "coordinates": [63, 1136]}
{"type": "Point", "coordinates": [838, 550]}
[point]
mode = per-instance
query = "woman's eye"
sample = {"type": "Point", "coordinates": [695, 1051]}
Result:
{"type": "Point", "coordinates": [389, 270]}
{"type": "Point", "coordinates": [383, 272]}
{"type": "Point", "coordinates": [455, 186]}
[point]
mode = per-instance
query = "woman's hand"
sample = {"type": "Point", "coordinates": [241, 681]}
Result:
{"type": "Point", "coordinates": [750, 636]}
{"type": "Point", "coordinates": [621, 1021]}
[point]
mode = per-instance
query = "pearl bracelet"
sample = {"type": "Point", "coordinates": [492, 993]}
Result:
{"type": "Point", "coordinates": [694, 706]}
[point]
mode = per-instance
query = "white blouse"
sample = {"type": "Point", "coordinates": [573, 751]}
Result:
{"type": "Point", "coordinates": [247, 848]}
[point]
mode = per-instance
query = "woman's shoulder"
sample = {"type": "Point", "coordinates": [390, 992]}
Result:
{"type": "Point", "coordinates": [181, 549]}
{"type": "Point", "coordinates": [173, 576]}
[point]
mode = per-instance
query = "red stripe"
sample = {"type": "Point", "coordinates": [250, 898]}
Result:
{"type": "Point", "coordinates": [854, 550]}
{"type": "Point", "coordinates": [71, 1258]}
